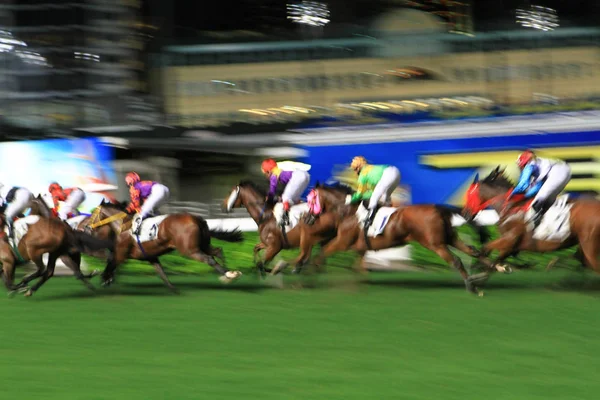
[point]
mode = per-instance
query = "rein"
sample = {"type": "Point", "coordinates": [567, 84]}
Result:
{"type": "Point", "coordinates": [105, 221]}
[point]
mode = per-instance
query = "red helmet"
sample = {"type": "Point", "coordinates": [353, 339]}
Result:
{"type": "Point", "coordinates": [54, 187]}
{"type": "Point", "coordinates": [132, 178]}
{"type": "Point", "coordinates": [524, 158]}
{"type": "Point", "coordinates": [268, 165]}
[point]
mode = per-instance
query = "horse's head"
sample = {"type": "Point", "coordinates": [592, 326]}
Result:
{"type": "Point", "coordinates": [108, 209]}
{"type": "Point", "coordinates": [243, 195]}
{"type": "Point", "coordinates": [330, 197]}
{"type": "Point", "coordinates": [485, 193]}
{"type": "Point", "coordinates": [38, 206]}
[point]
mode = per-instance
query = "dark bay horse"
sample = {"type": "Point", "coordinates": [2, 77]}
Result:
{"type": "Point", "coordinates": [39, 207]}
{"type": "Point", "coordinates": [515, 236]}
{"type": "Point", "coordinates": [272, 238]}
{"type": "Point", "coordinates": [44, 235]}
{"type": "Point", "coordinates": [186, 233]}
{"type": "Point", "coordinates": [429, 225]}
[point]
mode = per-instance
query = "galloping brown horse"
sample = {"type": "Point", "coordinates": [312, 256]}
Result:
{"type": "Point", "coordinates": [429, 225]}
{"type": "Point", "coordinates": [83, 223]}
{"type": "Point", "coordinates": [44, 235]}
{"type": "Point", "coordinates": [186, 233]}
{"type": "Point", "coordinates": [272, 238]}
{"type": "Point", "coordinates": [515, 236]}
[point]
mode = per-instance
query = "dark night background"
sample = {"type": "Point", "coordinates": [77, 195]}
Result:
{"type": "Point", "coordinates": [188, 20]}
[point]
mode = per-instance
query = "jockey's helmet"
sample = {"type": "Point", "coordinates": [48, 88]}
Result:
{"type": "Point", "coordinates": [132, 178]}
{"type": "Point", "coordinates": [358, 163]}
{"type": "Point", "coordinates": [524, 158]}
{"type": "Point", "coordinates": [54, 186]}
{"type": "Point", "coordinates": [268, 165]}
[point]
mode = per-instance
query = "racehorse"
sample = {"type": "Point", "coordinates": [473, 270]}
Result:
{"type": "Point", "coordinates": [429, 225]}
{"type": "Point", "coordinates": [319, 224]}
{"type": "Point", "coordinates": [44, 235]}
{"type": "Point", "coordinates": [273, 239]}
{"type": "Point", "coordinates": [39, 207]}
{"type": "Point", "coordinates": [186, 233]}
{"type": "Point", "coordinates": [515, 235]}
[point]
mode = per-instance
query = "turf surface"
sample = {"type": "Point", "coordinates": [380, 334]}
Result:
{"type": "Point", "coordinates": [534, 335]}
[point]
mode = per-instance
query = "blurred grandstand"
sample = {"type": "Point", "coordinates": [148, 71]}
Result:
{"type": "Point", "coordinates": [198, 115]}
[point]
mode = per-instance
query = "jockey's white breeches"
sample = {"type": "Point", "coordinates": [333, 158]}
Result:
{"type": "Point", "coordinates": [390, 179]}
{"type": "Point", "coordinates": [70, 205]}
{"type": "Point", "coordinates": [19, 204]}
{"type": "Point", "coordinates": [295, 187]}
{"type": "Point", "coordinates": [556, 181]}
{"type": "Point", "coordinates": [158, 196]}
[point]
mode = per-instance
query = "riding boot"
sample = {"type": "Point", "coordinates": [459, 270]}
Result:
{"type": "Point", "coordinates": [539, 210]}
{"type": "Point", "coordinates": [370, 218]}
{"type": "Point", "coordinates": [285, 220]}
{"type": "Point", "coordinates": [11, 231]}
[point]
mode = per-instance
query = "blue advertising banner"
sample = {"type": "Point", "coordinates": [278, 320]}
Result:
{"type": "Point", "coordinates": [439, 171]}
{"type": "Point", "coordinates": [83, 163]}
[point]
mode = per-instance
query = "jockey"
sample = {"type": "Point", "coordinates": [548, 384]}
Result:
{"type": "Point", "coordinates": [146, 197]}
{"type": "Point", "coordinates": [296, 181]}
{"type": "Point", "coordinates": [541, 178]}
{"type": "Point", "coordinates": [72, 198]}
{"type": "Point", "coordinates": [375, 182]}
{"type": "Point", "coordinates": [15, 200]}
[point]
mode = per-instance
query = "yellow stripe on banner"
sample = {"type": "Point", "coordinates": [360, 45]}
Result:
{"type": "Point", "coordinates": [485, 161]}
{"type": "Point", "coordinates": [477, 159]}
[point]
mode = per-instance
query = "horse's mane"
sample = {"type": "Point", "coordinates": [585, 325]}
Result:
{"type": "Point", "coordinates": [338, 186]}
{"type": "Point", "coordinates": [122, 205]}
{"type": "Point", "coordinates": [498, 178]}
{"type": "Point", "coordinates": [248, 183]}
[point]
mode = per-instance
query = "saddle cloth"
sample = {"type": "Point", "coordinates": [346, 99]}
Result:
{"type": "Point", "coordinates": [149, 229]}
{"type": "Point", "coordinates": [295, 214]}
{"type": "Point", "coordinates": [21, 227]}
{"type": "Point", "coordinates": [379, 222]}
{"type": "Point", "coordinates": [555, 224]}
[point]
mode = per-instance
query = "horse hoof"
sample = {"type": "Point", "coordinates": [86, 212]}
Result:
{"type": "Point", "coordinates": [29, 293]}
{"type": "Point", "coordinates": [11, 294]}
{"type": "Point", "coordinates": [230, 276]}
{"type": "Point", "coordinates": [505, 269]}
{"type": "Point", "coordinates": [296, 271]}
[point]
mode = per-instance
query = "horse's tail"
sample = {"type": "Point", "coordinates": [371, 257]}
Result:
{"type": "Point", "coordinates": [448, 211]}
{"type": "Point", "coordinates": [228, 236]}
{"type": "Point", "coordinates": [84, 240]}
{"type": "Point", "coordinates": [205, 234]}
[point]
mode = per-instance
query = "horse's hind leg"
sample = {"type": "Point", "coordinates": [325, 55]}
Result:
{"type": "Point", "coordinates": [590, 250]}
{"type": "Point", "coordinates": [73, 262]}
{"type": "Point", "coordinates": [161, 272]}
{"type": "Point", "coordinates": [76, 258]}
{"type": "Point", "coordinates": [454, 261]}
{"type": "Point", "coordinates": [52, 257]}
{"type": "Point", "coordinates": [226, 275]}
{"type": "Point", "coordinates": [217, 252]}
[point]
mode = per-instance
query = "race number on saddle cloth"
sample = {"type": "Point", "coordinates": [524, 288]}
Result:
{"type": "Point", "coordinates": [382, 217]}
{"type": "Point", "coordinates": [295, 179]}
{"type": "Point", "coordinates": [541, 179]}
{"type": "Point", "coordinates": [375, 183]}
{"type": "Point", "coordinates": [15, 200]}
{"type": "Point", "coordinates": [146, 198]}
{"type": "Point", "coordinates": [71, 199]}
